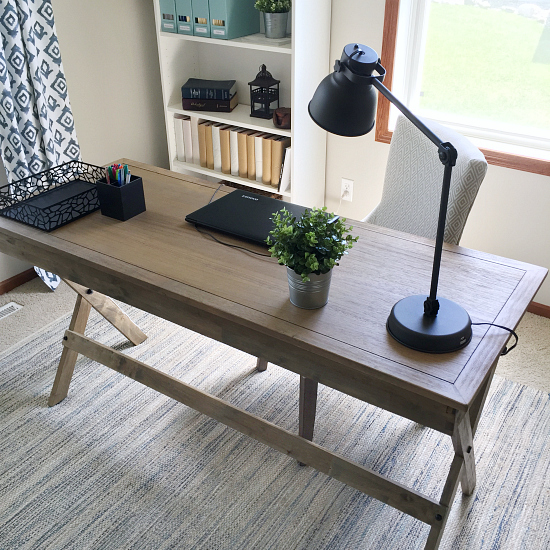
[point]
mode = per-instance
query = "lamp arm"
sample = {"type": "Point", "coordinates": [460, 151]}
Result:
{"type": "Point", "coordinates": [412, 117]}
{"type": "Point", "coordinates": [447, 156]}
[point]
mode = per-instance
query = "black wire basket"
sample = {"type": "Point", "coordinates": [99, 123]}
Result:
{"type": "Point", "coordinates": [53, 198]}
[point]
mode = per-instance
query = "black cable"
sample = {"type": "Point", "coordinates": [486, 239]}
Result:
{"type": "Point", "coordinates": [212, 197]}
{"type": "Point", "coordinates": [512, 332]}
{"type": "Point", "coordinates": [231, 245]}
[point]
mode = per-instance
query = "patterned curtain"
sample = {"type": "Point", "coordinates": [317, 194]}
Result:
{"type": "Point", "coordinates": [36, 123]}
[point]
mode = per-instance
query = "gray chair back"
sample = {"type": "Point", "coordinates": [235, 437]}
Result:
{"type": "Point", "coordinates": [413, 180]}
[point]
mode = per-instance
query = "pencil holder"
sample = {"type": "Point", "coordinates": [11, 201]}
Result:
{"type": "Point", "coordinates": [121, 203]}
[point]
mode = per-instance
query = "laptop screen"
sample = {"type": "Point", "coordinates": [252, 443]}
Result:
{"type": "Point", "coordinates": [242, 214]}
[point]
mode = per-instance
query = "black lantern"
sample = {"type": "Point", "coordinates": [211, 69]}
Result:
{"type": "Point", "coordinates": [264, 94]}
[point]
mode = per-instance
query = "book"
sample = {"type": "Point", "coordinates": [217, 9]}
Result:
{"type": "Point", "coordinates": [258, 155]}
{"type": "Point", "coordinates": [284, 184]}
{"type": "Point", "coordinates": [225, 148]}
{"type": "Point", "coordinates": [180, 145]}
{"type": "Point", "coordinates": [250, 154]}
{"type": "Point", "coordinates": [202, 142]}
{"type": "Point", "coordinates": [216, 148]}
{"type": "Point", "coordinates": [187, 139]}
{"type": "Point", "coordinates": [209, 145]}
{"type": "Point", "coordinates": [195, 139]}
{"type": "Point", "coordinates": [242, 151]}
{"type": "Point", "coordinates": [199, 88]}
{"type": "Point", "coordinates": [218, 105]}
{"type": "Point", "coordinates": [277, 150]}
{"type": "Point", "coordinates": [234, 150]}
{"type": "Point", "coordinates": [266, 158]}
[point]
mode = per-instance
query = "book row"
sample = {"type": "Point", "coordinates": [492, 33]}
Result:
{"type": "Point", "coordinates": [258, 156]}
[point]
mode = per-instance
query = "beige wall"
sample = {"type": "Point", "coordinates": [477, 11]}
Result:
{"type": "Point", "coordinates": [109, 53]}
{"type": "Point", "coordinates": [511, 215]}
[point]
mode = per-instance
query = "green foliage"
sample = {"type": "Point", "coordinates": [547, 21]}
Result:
{"type": "Point", "coordinates": [312, 244]}
{"type": "Point", "coordinates": [467, 66]}
{"type": "Point", "coordinates": [273, 6]}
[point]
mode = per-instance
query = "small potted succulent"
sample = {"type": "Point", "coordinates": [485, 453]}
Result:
{"type": "Point", "coordinates": [275, 16]}
{"type": "Point", "coordinates": [309, 247]}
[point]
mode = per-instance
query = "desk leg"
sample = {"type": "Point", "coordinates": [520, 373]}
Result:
{"type": "Point", "coordinates": [464, 447]}
{"type": "Point", "coordinates": [447, 497]}
{"type": "Point", "coordinates": [111, 312]}
{"type": "Point", "coordinates": [308, 407]}
{"type": "Point", "coordinates": [68, 356]}
{"type": "Point", "coordinates": [261, 364]}
{"type": "Point", "coordinates": [463, 465]}
{"type": "Point", "coordinates": [86, 299]}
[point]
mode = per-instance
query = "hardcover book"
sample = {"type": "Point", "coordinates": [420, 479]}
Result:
{"type": "Point", "coordinates": [218, 105]}
{"type": "Point", "coordinates": [199, 88]}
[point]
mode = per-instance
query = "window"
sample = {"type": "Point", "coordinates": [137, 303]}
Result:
{"type": "Point", "coordinates": [480, 66]}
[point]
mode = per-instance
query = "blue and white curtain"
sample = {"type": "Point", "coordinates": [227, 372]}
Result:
{"type": "Point", "coordinates": [36, 123]}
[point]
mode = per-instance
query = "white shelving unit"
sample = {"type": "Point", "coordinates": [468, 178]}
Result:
{"type": "Point", "coordinates": [299, 64]}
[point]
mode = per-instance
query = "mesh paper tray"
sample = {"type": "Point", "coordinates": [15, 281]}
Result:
{"type": "Point", "coordinates": [52, 198]}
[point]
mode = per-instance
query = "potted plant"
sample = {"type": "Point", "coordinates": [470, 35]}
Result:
{"type": "Point", "coordinates": [309, 247]}
{"type": "Point", "coordinates": [275, 16]}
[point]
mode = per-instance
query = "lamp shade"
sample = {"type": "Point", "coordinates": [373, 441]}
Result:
{"type": "Point", "coordinates": [345, 101]}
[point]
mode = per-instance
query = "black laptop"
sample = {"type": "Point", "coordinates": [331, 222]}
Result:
{"type": "Point", "coordinates": [242, 214]}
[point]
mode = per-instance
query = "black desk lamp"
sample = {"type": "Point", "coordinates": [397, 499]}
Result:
{"type": "Point", "coordinates": [345, 104]}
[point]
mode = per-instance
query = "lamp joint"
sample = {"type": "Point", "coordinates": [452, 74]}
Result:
{"type": "Point", "coordinates": [431, 307]}
{"type": "Point", "coordinates": [447, 154]}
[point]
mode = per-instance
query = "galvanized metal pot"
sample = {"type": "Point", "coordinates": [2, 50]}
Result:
{"type": "Point", "coordinates": [312, 294]}
{"type": "Point", "coordinates": [275, 24]}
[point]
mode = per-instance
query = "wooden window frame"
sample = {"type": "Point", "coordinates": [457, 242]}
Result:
{"type": "Point", "coordinates": [383, 133]}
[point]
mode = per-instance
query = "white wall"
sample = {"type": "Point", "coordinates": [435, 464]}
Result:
{"type": "Point", "coordinates": [511, 215]}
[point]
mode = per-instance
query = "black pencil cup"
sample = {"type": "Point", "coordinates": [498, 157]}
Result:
{"type": "Point", "coordinates": [121, 203]}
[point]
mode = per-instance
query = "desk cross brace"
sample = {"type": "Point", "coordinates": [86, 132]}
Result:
{"type": "Point", "coordinates": [398, 496]}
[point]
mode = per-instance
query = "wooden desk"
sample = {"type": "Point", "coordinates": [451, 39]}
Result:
{"type": "Point", "coordinates": [161, 264]}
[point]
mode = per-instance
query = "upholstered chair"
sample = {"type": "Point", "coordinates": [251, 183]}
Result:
{"type": "Point", "coordinates": [412, 183]}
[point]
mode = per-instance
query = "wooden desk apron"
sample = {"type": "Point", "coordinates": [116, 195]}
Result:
{"type": "Point", "coordinates": [161, 264]}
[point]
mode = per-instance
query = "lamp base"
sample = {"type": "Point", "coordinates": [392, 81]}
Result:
{"type": "Point", "coordinates": [450, 330]}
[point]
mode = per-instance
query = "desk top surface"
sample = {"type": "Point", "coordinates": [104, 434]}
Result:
{"type": "Point", "coordinates": [164, 256]}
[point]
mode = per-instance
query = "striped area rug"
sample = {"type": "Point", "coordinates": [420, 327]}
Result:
{"type": "Point", "coordinates": [118, 466]}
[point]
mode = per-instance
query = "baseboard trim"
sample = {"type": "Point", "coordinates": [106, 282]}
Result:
{"type": "Point", "coordinates": [539, 309]}
{"type": "Point", "coordinates": [17, 280]}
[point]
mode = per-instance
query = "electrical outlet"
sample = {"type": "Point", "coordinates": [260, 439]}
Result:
{"type": "Point", "coordinates": [347, 190]}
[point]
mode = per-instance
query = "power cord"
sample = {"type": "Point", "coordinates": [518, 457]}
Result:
{"type": "Point", "coordinates": [229, 244]}
{"type": "Point", "coordinates": [512, 332]}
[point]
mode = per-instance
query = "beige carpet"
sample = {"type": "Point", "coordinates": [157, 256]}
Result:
{"type": "Point", "coordinates": [118, 466]}
{"type": "Point", "coordinates": [528, 364]}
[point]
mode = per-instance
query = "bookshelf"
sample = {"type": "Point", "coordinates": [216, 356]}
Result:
{"type": "Point", "coordinates": [299, 63]}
